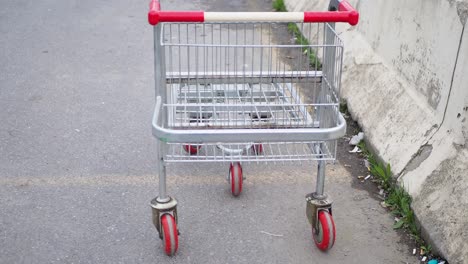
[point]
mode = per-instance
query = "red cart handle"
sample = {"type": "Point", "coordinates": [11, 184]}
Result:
{"type": "Point", "coordinates": [346, 13]}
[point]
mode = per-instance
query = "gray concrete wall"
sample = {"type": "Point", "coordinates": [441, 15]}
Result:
{"type": "Point", "coordinates": [405, 78]}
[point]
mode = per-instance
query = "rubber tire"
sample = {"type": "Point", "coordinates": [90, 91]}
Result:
{"type": "Point", "coordinates": [170, 235]}
{"type": "Point", "coordinates": [235, 178]}
{"type": "Point", "coordinates": [191, 149]}
{"type": "Point", "coordinates": [257, 149]}
{"type": "Point", "coordinates": [325, 238]}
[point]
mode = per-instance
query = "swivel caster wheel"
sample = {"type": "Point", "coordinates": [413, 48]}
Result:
{"type": "Point", "coordinates": [170, 235]}
{"type": "Point", "coordinates": [235, 178]}
{"type": "Point", "coordinates": [192, 149]}
{"type": "Point", "coordinates": [324, 237]}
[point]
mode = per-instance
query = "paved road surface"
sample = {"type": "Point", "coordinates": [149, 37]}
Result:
{"type": "Point", "coordinates": [77, 159]}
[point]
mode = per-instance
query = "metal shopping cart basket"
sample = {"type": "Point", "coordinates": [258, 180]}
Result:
{"type": "Point", "coordinates": [224, 93]}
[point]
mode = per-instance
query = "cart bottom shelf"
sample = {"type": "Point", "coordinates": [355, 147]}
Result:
{"type": "Point", "coordinates": [250, 152]}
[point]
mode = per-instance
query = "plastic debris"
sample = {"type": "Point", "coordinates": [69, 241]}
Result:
{"type": "Point", "coordinates": [414, 251]}
{"type": "Point", "coordinates": [367, 164]}
{"type": "Point", "coordinates": [396, 219]}
{"type": "Point", "coordinates": [433, 261]}
{"type": "Point", "coordinates": [356, 149]}
{"type": "Point", "coordinates": [422, 251]}
{"type": "Point", "coordinates": [424, 259]}
{"type": "Point", "coordinates": [384, 204]}
{"type": "Point", "coordinates": [442, 262]}
{"type": "Point", "coordinates": [360, 177]}
{"type": "Point", "coordinates": [381, 192]}
{"type": "Point", "coordinates": [367, 177]}
{"type": "Point", "coordinates": [356, 139]}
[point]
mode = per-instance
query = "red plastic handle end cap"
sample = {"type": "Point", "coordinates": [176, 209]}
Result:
{"type": "Point", "coordinates": [153, 17]}
{"type": "Point", "coordinates": [353, 18]}
{"type": "Point", "coordinates": [153, 14]}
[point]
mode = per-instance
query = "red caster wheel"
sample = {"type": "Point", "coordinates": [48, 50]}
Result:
{"type": "Point", "coordinates": [191, 149]}
{"type": "Point", "coordinates": [257, 149]}
{"type": "Point", "coordinates": [324, 237]}
{"type": "Point", "coordinates": [235, 178]}
{"type": "Point", "coordinates": [170, 236]}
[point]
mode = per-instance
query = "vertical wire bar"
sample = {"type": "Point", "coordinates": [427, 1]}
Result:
{"type": "Point", "coordinates": [315, 85]}
{"type": "Point", "coordinates": [279, 151]}
{"type": "Point", "coordinates": [286, 108]}
{"type": "Point", "coordinates": [272, 153]}
{"type": "Point", "coordinates": [297, 99]}
{"type": "Point", "coordinates": [245, 85]}
{"type": "Point", "coordinates": [253, 67]}
{"type": "Point", "coordinates": [290, 156]}
{"type": "Point", "coordinates": [226, 63]}
{"type": "Point", "coordinates": [189, 74]}
{"type": "Point", "coordinates": [301, 67]}
{"type": "Point", "coordinates": [261, 60]}
{"type": "Point", "coordinates": [197, 81]}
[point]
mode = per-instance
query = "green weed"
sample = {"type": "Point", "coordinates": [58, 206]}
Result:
{"type": "Point", "coordinates": [383, 173]}
{"type": "Point", "coordinates": [344, 107]}
{"type": "Point", "coordinates": [398, 199]}
{"type": "Point", "coordinates": [314, 61]}
{"type": "Point", "coordinates": [303, 41]}
{"type": "Point", "coordinates": [279, 6]}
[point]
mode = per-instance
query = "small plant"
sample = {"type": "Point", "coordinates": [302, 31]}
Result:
{"type": "Point", "coordinates": [400, 204]}
{"type": "Point", "coordinates": [383, 173]}
{"type": "Point", "coordinates": [344, 107]}
{"type": "Point", "coordinates": [367, 154]}
{"type": "Point", "coordinates": [427, 249]}
{"type": "Point", "coordinates": [279, 6]}
{"type": "Point", "coordinates": [397, 199]}
{"type": "Point", "coordinates": [300, 39]}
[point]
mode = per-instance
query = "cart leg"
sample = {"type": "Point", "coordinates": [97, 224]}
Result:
{"type": "Point", "coordinates": [163, 197]}
{"type": "Point", "coordinates": [319, 211]}
{"type": "Point", "coordinates": [164, 208]}
{"type": "Point", "coordinates": [319, 188]}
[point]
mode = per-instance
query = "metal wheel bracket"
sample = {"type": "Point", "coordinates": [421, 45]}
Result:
{"type": "Point", "coordinates": [161, 208]}
{"type": "Point", "coordinates": [315, 203]}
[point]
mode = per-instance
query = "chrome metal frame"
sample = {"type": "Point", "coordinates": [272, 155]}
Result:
{"type": "Point", "coordinates": [225, 87]}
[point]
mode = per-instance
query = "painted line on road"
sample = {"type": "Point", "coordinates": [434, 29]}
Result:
{"type": "Point", "coordinates": [142, 180]}
{"type": "Point", "coordinates": [274, 177]}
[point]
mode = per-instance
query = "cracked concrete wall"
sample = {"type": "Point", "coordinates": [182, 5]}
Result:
{"type": "Point", "coordinates": [442, 201]}
{"type": "Point", "coordinates": [405, 77]}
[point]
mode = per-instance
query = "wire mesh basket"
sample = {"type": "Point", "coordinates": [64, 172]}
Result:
{"type": "Point", "coordinates": [243, 76]}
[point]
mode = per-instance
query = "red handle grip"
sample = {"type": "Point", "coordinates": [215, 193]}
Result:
{"type": "Point", "coordinates": [352, 13]}
{"type": "Point", "coordinates": [155, 15]}
{"type": "Point", "coordinates": [345, 13]}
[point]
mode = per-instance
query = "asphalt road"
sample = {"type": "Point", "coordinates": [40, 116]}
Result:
{"type": "Point", "coordinates": [77, 158]}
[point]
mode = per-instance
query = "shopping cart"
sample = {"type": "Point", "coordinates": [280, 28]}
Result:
{"type": "Point", "coordinates": [226, 92]}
